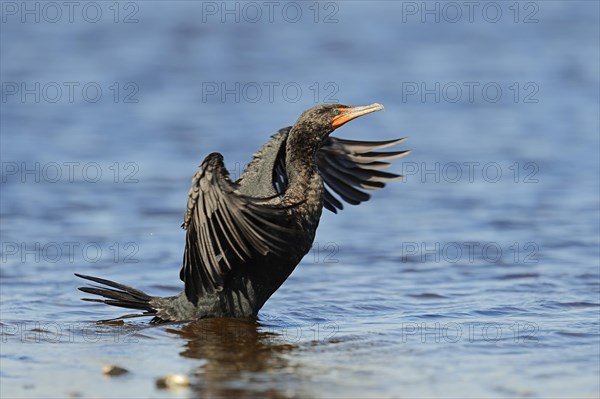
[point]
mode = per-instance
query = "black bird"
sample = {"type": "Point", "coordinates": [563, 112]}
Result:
{"type": "Point", "coordinates": [245, 238]}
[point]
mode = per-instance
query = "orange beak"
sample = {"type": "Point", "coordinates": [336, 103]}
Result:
{"type": "Point", "coordinates": [347, 114]}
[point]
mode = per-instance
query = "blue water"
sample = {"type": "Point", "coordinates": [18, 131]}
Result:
{"type": "Point", "coordinates": [478, 276]}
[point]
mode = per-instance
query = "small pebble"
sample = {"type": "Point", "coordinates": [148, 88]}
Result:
{"type": "Point", "coordinates": [173, 381]}
{"type": "Point", "coordinates": [112, 370]}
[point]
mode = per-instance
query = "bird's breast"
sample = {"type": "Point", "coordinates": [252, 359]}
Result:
{"type": "Point", "coordinates": [306, 205]}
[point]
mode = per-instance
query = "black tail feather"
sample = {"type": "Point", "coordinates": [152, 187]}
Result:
{"type": "Point", "coordinates": [119, 295]}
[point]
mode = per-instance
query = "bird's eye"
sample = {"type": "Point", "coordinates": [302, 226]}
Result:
{"type": "Point", "coordinates": [336, 111]}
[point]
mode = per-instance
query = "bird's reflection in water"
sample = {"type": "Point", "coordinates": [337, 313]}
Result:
{"type": "Point", "coordinates": [242, 360]}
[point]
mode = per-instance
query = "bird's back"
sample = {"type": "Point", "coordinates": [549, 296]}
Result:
{"type": "Point", "coordinates": [257, 180]}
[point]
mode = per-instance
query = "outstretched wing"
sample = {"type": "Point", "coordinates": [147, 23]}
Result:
{"type": "Point", "coordinates": [224, 229]}
{"type": "Point", "coordinates": [346, 165]}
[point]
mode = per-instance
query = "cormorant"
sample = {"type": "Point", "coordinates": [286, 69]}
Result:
{"type": "Point", "coordinates": [245, 238]}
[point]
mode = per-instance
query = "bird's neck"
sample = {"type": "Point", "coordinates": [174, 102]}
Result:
{"type": "Point", "coordinates": [300, 155]}
{"type": "Point", "coordinates": [300, 163]}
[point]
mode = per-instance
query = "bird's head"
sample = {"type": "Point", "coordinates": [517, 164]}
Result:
{"type": "Point", "coordinates": [324, 119]}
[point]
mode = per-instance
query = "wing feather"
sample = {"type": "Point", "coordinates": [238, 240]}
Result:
{"type": "Point", "coordinates": [225, 229]}
{"type": "Point", "coordinates": [347, 165]}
